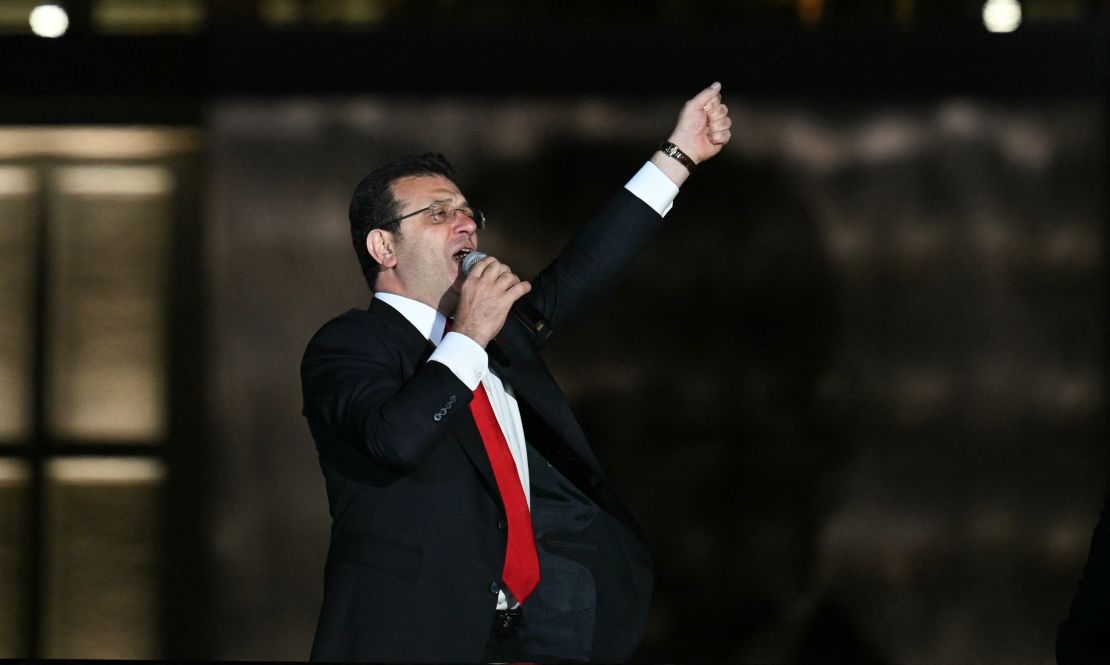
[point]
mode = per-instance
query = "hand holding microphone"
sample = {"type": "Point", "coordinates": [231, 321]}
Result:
{"type": "Point", "coordinates": [490, 292]}
{"type": "Point", "coordinates": [487, 294]}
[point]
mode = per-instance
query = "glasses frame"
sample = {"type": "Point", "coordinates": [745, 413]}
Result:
{"type": "Point", "coordinates": [477, 215]}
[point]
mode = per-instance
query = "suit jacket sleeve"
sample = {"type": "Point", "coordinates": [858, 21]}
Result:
{"type": "Point", "coordinates": [594, 258]}
{"type": "Point", "coordinates": [1084, 637]}
{"type": "Point", "coordinates": [357, 392]}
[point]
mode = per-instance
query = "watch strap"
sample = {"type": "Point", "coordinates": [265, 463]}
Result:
{"type": "Point", "coordinates": [671, 150]}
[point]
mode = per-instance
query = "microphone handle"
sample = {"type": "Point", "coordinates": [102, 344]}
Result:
{"type": "Point", "coordinates": [532, 320]}
{"type": "Point", "coordinates": [521, 310]}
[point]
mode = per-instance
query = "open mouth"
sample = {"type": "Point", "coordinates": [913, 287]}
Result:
{"type": "Point", "coordinates": [461, 254]}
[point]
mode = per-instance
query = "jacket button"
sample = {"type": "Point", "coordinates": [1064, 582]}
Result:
{"type": "Point", "coordinates": [494, 588]}
{"type": "Point", "coordinates": [502, 525]}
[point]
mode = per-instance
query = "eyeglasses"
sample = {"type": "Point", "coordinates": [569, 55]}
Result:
{"type": "Point", "coordinates": [440, 213]}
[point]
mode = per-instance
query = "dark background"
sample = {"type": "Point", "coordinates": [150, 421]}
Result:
{"type": "Point", "coordinates": [855, 391]}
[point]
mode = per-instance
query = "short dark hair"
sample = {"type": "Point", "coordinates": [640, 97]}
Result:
{"type": "Point", "coordinates": [373, 205]}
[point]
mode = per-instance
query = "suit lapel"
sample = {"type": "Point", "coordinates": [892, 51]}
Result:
{"type": "Point", "coordinates": [471, 441]}
{"type": "Point", "coordinates": [532, 382]}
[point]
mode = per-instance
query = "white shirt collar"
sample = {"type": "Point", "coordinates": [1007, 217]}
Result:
{"type": "Point", "coordinates": [429, 321]}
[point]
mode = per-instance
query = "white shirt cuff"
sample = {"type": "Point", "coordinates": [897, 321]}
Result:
{"type": "Point", "coordinates": [654, 188]}
{"type": "Point", "coordinates": [463, 357]}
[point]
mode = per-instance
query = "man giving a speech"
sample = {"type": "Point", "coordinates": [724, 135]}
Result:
{"type": "Point", "coordinates": [471, 520]}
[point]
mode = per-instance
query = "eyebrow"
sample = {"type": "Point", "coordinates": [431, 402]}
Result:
{"type": "Point", "coordinates": [464, 204]}
{"type": "Point", "coordinates": [446, 201]}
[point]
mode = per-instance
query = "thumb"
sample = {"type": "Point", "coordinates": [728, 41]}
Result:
{"type": "Point", "coordinates": [703, 97]}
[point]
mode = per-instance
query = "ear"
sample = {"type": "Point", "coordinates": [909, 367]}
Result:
{"type": "Point", "coordinates": [379, 244]}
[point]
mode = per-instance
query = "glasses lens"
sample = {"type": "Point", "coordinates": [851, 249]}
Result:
{"type": "Point", "coordinates": [479, 217]}
{"type": "Point", "coordinates": [437, 212]}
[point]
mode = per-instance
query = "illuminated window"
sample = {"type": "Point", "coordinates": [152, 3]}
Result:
{"type": "Point", "coordinates": [102, 558]}
{"type": "Point", "coordinates": [332, 13]}
{"type": "Point", "coordinates": [106, 378]}
{"type": "Point", "coordinates": [87, 220]}
{"type": "Point", "coordinates": [148, 16]}
{"type": "Point", "coordinates": [14, 510]}
{"type": "Point", "coordinates": [18, 214]}
{"type": "Point", "coordinates": [15, 15]}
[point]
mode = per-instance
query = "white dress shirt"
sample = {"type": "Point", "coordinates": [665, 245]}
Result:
{"type": "Point", "coordinates": [469, 361]}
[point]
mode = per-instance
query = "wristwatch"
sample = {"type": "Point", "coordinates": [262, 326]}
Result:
{"type": "Point", "coordinates": [671, 150]}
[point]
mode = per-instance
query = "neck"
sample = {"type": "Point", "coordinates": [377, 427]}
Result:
{"type": "Point", "coordinates": [445, 304]}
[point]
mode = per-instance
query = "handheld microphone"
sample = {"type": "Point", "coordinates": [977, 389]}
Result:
{"type": "Point", "coordinates": [520, 310]}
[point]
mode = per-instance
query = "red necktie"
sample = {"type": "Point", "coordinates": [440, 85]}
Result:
{"type": "Point", "coordinates": [521, 573]}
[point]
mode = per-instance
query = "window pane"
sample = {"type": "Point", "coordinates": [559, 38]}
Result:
{"type": "Point", "coordinates": [97, 142]}
{"type": "Point", "coordinates": [109, 255]}
{"type": "Point", "coordinates": [149, 16]}
{"type": "Point", "coordinates": [15, 15]}
{"type": "Point", "coordinates": [14, 478]}
{"type": "Point", "coordinates": [338, 13]}
{"type": "Point", "coordinates": [102, 558]}
{"type": "Point", "coordinates": [18, 211]}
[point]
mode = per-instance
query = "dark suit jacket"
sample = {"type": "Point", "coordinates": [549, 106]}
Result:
{"type": "Point", "coordinates": [416, 549]}
{"type": "Point", "coordinates": [1084, 637]}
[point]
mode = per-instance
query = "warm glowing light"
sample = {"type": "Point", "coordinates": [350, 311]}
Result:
{"type": "Point", "coordinates": [1002, 15]}
{"type": "Point", "coordinates": [49, 21]}
{"type": "Point", "coordinates": [809, 11]}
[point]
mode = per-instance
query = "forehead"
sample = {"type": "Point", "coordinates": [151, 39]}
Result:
{"type": "Point", "coordinates": [423, 189]}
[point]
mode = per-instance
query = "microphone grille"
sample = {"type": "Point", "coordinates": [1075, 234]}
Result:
{"type": "Point", "coordinates": [470, 260]}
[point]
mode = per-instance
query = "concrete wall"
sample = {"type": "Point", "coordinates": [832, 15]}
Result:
{"type": "Point", "coordinates": [878, 329]}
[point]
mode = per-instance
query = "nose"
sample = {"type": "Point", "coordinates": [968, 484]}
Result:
{"type": "Point", "coordinates": [464, 223]}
